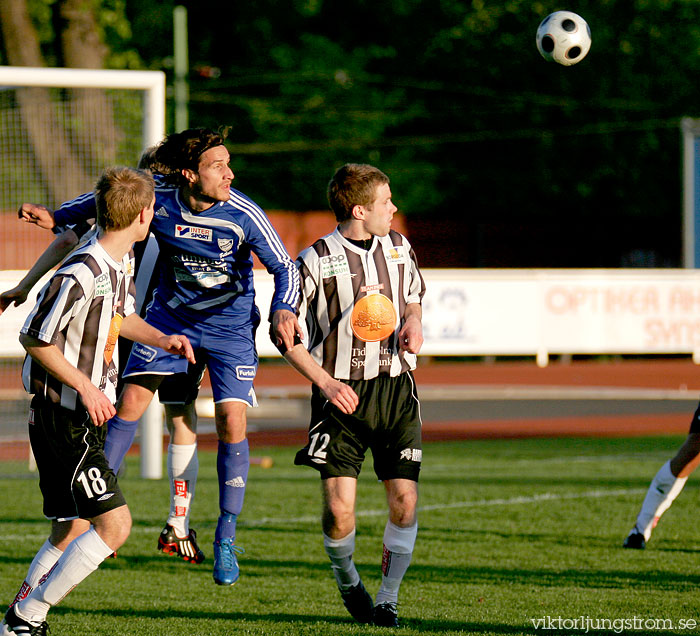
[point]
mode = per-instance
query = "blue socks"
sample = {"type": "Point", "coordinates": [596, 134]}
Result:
{"type": "Point", "coordinates": [232, 463]}
{"type": "Point", "coordinates": [120, 436]}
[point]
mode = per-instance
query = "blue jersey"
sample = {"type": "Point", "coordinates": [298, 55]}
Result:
{"type": "Point", "coordinates": [205, 263]}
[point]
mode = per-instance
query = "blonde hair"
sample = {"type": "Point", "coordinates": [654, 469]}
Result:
{"type": "Point", "coordinates": [120, 194]}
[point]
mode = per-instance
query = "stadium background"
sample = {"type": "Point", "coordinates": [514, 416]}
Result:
{"type": "Point", "coordinates": [497, 159]}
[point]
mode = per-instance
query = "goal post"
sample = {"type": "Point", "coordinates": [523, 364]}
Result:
{"type": "Point", "coordinates": [59, 128]}
{"type": "Point", "coordinates": [690, 129]}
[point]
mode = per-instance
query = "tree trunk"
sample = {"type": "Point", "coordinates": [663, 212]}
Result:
{"type": "Point", "coordinates": [52, 151]}
{"type": "Point", "coordinates": [96, 137]}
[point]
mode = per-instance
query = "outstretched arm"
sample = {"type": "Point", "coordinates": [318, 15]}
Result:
{"type": "Point", "coordinates": [52, 256]}
{"type": "Point", "coordinates": [285, 329]}
{"type": "Point", "coordinates": [37, 214]}
{"type": "Point", "coordinates": [136, 328]}
{"type": "Point", "coordinates": [336, 392]}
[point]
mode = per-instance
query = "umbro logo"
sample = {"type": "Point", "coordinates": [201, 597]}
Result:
{"type": "Point", "coordinates": [236, 482]}
{"type": "Point", "coordinates": [109, 495]}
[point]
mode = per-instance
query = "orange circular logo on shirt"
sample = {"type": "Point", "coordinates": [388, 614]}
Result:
{"type": "Point", "coordinates": [373, 318]}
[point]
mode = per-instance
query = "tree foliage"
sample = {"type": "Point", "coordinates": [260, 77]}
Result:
{"type": "Point", "coordinates": [529, 163]}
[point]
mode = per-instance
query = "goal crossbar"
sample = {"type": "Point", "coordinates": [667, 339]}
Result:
{"type": "Point", "coordinates": [151, 82]}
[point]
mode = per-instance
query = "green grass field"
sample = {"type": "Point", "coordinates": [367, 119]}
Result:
{"type": "Point", "coordinates": [511, 533]}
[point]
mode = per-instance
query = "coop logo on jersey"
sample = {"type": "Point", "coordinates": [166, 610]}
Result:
{"type": "Point", "coordinates": [193, 233]}
{"type": "Point", "coordinates": [395, 254]}
{"type": "Point", "coordinates": [143, 352]}
{"type": "Point", "coordinates": [373, 318]}
{"type": "Point", "coordinates": [245, 373]}
{"type": "Point", "coordinates": [334, 265]}
{"type": "Point", "coordinates": [103, 285]}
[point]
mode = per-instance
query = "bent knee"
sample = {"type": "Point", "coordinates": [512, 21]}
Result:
{"type": "Point", "coordinates": [338, 520]}
{"type": "Point", "coordinates": [402, 509]}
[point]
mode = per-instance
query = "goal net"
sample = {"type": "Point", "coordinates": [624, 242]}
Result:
{"type": "Point", "coordinates": [59, 128]}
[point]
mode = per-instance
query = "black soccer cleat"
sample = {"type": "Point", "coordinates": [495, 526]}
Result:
{"type": "Point", "coordinates": [359, 603]}
{"type": "Point", "coordinates": [13, 624]}
{"type": "Point", "coordinates": [635, 540]}
{"type": "Point", "coordinates": [187, 548]}
{"type": "Point", "coordinates": [386, 615]}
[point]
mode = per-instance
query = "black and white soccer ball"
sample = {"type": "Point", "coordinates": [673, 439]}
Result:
{"type": "Point", "coordinates": [564, 37]}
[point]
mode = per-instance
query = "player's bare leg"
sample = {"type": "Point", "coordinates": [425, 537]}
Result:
{"type": "Point", "coordinates": [399, 538]}
{"type": "Point", "coordinates": [687, 458]}
{"type": "Point", "coordinates": [663, 490]}
{"type": "Point", "coordinates": [63, 532]}
{"type": "Point", "coordinates": [338, 523]}
{"type": "Point", "coordinates": [177, 538]}
{"type": "Point", "coordinates": [232, 463]}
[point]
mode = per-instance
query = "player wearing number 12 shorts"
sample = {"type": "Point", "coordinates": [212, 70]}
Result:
{"type": "Point", "coordinates": [360, 303]}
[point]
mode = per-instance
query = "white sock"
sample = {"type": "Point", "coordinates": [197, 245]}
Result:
{"type": "Point", "coordinates": [43, 561]}
{"type": "Point", "coordinates": [398, 550]}
{"type": "Point", "coordinates": [183, 466]}
{"type": "Point", "coordinates": [340, 552]}
{"type": "Point", "coordinates": [80, 559]}
{"type": "Point", "coordinates": [664, 488]}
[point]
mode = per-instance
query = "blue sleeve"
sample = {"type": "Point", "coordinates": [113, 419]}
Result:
{"type": "Point", "coordinates": [268, 247]}
{"type": "Point", "coordinates": [76, 211]}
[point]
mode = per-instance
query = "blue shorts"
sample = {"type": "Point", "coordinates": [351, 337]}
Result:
{"type": "Point", "coordinates": [228, 354]}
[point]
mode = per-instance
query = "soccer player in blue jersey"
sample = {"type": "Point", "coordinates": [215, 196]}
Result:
{"type": "Point", "coordinates": [207, 233]}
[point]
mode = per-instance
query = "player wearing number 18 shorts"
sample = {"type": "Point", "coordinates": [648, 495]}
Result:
{"type": "Point", "coordinates": [71, 369]}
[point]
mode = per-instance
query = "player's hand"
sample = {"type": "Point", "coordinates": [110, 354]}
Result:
{"type": "Point", "coordinates": [340, 395]}
{"type": "Point", "coordinates": [96, 403]}
{"type": "Point", "coordinates": [285, 327]}
{"type": "Point", "coordinates": [38, 214]}
{"type": "Point", "coordinates": [411, 335]}
{"type": "Point", "coordinates": [177, 344]}
{"type": "Point", "coordinates": [16, 295]}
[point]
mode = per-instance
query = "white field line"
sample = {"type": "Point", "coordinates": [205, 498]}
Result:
{"type": "Point", "coordinates": [511, 501]}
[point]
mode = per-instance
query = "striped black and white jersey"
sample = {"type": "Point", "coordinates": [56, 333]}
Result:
{"type": "Point", "coordinates": [80, 310]}
{"type": "Point", "coordinates": [353, 302]}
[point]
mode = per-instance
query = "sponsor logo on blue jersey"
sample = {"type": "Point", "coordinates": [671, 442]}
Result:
{"type": "Point", "coordinates": [245, 373]}
{"type": "Point", "coordinates": [193, 233]}
{"type": "Point", "coordinates": [225, 245]}
{"type": "Point", "coordinates": [143, 351]}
